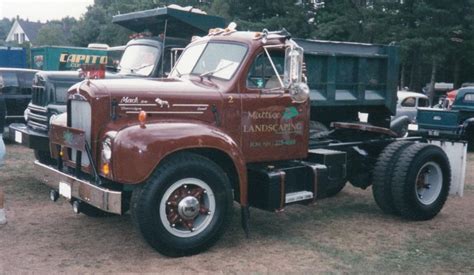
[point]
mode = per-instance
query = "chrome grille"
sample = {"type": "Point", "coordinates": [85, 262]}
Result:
{"type": "Point", "coordinates": [80, 114]}
{"type": "Point", "coordinates": [37, 118]}
{"type": "Point", "coordinates": [39, 96]}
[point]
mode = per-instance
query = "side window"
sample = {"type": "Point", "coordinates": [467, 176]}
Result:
{"type": "Point", "coordinates": [409, 102]}
{"type": "Point", "coordinates": [468, 98]}
{"type": "Point", "coordinates": [262, 75]}
{"type": "Point", "coordinates": [423, 102]}
{"type": "Point", "coordinates": [9, 82]}
{"type": "Point", "coordinates": [26, 82]}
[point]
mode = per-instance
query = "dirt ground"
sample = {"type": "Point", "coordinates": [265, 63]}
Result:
{"type": "Point", "coordinates": [347, 233]}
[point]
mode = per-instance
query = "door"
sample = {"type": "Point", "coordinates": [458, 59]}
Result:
{"type": "Point", "coordinates": [273, 126]}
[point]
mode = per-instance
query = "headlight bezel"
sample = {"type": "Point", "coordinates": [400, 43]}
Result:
{"type": "Point", "coordinates": [106, 149]}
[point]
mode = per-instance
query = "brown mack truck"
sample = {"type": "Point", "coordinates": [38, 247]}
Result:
{"type": "Point", "coordinates": [232, 122]}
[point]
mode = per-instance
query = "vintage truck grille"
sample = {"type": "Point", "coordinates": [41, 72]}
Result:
{"type": "Point", "coordinates": [80, 114]}
{"type": "Point", "coordinates": [37, 118]}
{"type": "Point", "coordinates": [39, 96]}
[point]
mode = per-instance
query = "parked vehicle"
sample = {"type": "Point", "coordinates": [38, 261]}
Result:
{"type": "Point", "coordinates": [409, 102]}
{"type": "Point", "coordinates": [456, 123]}
{"type": "Point", "coordinates": [144, 57]}
{"type": "Point", "coordinates": [232, 122]}
{"type": "Point", "coordinates": [15, 94]}
{"type": "Point", "coordinates": [13, 57]}
{"type": "Point", "coordinates": [406, 110]}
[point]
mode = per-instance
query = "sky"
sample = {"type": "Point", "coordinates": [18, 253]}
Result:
{"type": "Point", "coordinates": [43, 10]}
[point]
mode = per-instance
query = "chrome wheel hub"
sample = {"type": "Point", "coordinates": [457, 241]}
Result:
{"type": "Point", "coordinates": [188, 208]}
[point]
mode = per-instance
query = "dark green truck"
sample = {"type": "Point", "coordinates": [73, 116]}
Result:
{"type": "Point", "coordinates": [454, 123]}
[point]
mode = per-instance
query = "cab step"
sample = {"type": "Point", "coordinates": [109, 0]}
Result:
{"type": "Point", "coordinates": [298, 196]}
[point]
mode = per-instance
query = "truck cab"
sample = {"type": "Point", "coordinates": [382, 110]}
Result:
{"type": "Point", "coordinates": [230, 123]}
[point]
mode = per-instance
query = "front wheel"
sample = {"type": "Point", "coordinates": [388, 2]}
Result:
{"type": "Point", "coordinates": [184, 207]}
{"type": "Point", "coordinates": [421, 181]}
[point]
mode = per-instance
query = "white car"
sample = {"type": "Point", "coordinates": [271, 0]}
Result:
{"type": "Point", "coordinates": [409, 102]}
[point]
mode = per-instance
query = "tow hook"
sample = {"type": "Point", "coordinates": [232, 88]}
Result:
{"type": "Point", "coordinates": [76, 206]}
{"type": "Point", "coordinates": [53, 195]}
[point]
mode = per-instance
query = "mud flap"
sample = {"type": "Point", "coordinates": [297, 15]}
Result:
{"type": "Point", "coordinates": [457, 155]}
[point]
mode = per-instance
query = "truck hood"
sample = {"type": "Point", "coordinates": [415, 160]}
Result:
{"type": "Point", "coordinates": [148, 88]}
{"type": "Point", "coordinates": [118, 102]}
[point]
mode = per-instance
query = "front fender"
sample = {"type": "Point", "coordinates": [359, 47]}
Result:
{"type": "Point", "coordinates": [138, 151]}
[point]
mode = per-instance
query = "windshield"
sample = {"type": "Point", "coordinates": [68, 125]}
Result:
{"type": "Point", "coordinates": [139, 59]}
{"type": "Point", "coordinates": [60, 91]}
{"type": "Point", "coordinates": [220, 60]}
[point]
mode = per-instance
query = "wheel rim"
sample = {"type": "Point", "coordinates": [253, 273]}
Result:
{"type": "Point", "coordinates": [429, 182]}
{"type": "Point", "coordinates": [187, 207]}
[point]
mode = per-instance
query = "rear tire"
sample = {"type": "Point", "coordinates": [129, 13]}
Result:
{"type": "Point", "coordinates": [421, 181]}
{"type": "Point", "coordinates": [383, 174]}
{"type": "Point", "coordinates": [184, 207]}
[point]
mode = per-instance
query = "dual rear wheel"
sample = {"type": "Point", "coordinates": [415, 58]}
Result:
{"type": "Point", "coordinates": [411, 180]}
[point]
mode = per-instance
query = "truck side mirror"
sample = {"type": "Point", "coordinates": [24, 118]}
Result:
{"type": "Point", "coordinates": [293, 77]}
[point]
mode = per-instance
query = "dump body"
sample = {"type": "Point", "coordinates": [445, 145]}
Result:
{"type": "Point", "coordinates": [13, 57]}
{"type": "Point", "coordinates": [347, 78]}
{"type": "Point", "coordinates": [56, 58]}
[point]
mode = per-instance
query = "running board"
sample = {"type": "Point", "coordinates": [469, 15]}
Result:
{"type": "Point", "coordinates": [298, 196]}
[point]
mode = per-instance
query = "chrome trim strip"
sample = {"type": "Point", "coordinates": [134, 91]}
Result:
{"type": "Point", "coordinates": [136, 104]}
{"type": "Point", "coordinates": [190, 105]}
{"type": "Point", "coordinates": [38, 125]}
{"type": "Point", "coordinates": [100, 197]}
{"type": "Point", "coordinates": [37, 117]}
{"type": "Point", "coordinates": [168, 112]}
{"type": "Point", "coordinates": [37, 108]}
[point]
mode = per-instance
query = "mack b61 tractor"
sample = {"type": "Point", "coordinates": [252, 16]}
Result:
{"type": "Point", "coordinates": [234, 121]}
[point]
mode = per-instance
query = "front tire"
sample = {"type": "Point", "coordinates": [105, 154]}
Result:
{"type": "Point", "coordinates": [184, 207]}
{"type": "Point", "coordinates": [421, 181]}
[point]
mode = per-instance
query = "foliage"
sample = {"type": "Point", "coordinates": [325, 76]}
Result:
{"type": "Point", "coordinates": [5, 26]}
{"type": "Point", "coordinates": [51, 34]}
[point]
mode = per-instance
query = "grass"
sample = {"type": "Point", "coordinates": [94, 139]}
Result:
{"type": "Point", "coordinates": [344, 234]}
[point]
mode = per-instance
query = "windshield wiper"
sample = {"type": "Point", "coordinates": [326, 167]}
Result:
{"type": "Point", "coordinates": [211, 73]}
{"type": "Point", "coordinates": [141, 67]}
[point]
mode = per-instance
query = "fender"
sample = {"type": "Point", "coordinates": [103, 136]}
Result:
{"type": "Point", "coordinates": [468, 123]}
{"type": "Point", "coordinates": [137, 151]}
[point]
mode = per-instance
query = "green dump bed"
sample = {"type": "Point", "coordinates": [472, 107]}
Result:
{"type": "Point", "coordinates": [351, 77]}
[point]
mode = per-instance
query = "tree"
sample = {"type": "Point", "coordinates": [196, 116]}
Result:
{"type": "Point", "coordinates": [51, 34]}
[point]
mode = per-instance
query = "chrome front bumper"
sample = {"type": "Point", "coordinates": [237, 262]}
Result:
{"type": "Point", "coordinates": [71, 188]}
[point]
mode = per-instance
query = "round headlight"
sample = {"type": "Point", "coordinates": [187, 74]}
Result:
{"type": "Point", "coordinates": [107, 149]}
{"type": "Point", "coordinates": [25, 115]}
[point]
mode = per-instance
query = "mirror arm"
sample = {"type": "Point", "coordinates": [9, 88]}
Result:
{"type": "Point", "coordinates": [274, 68]}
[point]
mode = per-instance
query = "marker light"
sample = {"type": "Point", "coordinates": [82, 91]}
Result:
{"type": "Point", "coordinates": [142, 118]}
{"type": "Point", "coordinates": [105, 169]}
